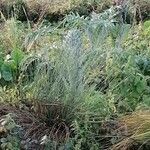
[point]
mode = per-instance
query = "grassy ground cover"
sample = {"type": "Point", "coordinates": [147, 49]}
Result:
{"type": "Point", "coordinates": [79, 84]}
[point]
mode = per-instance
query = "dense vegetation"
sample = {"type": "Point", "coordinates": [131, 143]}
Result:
{"type": "Point", "coordinates": [76, 77]}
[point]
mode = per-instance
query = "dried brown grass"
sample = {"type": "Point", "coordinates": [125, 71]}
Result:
{"type": "Point", "coordinates": [136, 129]}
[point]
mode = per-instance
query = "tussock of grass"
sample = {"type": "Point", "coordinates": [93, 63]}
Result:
{"type": "Point", "coordinates": [33, 127]}
{"type": "Point", "coordinates": [137, 130]}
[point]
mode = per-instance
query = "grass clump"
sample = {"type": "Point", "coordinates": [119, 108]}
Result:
{"type": "Point", "coordinates": [137, 128]}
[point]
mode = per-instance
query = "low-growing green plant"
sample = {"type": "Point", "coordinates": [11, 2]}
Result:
{"type": "Point", "coordinates": [10, 95]}
{"type": "Point", "coordinates": [9, 67]}
{"type": "Point", "coordinates": [128, 85]}
{"type": "Point", "coordinates": [10, 140]}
